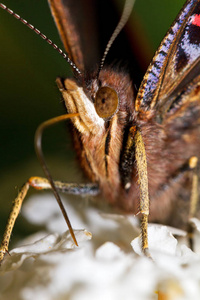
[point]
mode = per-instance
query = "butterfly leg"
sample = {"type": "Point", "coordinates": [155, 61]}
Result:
{"type": "Point", "coordinates": [11, 220]}
{"type": "Point", "coordinates": [83, 189]}
{"type": "Point", "coordinates": [193, 162]}
{"type": "Point", "coordinates": [140, 155]}
{"type": "Point", "coordinates": [40, 183]}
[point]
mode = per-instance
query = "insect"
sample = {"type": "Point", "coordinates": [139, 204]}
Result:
{"type": "Point", "coordinates": [140, 148]}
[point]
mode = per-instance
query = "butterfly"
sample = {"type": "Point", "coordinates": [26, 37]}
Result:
{"type": "Point", "coordinates": [134, 147]}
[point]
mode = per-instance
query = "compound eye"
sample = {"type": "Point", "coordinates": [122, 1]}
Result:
{"type": "Point", "coordinates": [106, 102]}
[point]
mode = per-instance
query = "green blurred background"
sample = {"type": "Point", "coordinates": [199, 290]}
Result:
{"type": "Point", "coordinates": [28, 94]}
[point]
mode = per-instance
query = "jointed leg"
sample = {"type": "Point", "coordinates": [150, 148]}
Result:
{"type": "Point", "coordinates": [11, 220]}
{"type": "Point", "coordinates": [141, 162]}
{"type": "Point", "coordinates": [193, 199]}
{"type": "Point", "coordinates": [190, 166]}
{"type": "Point", "coordinates": [40, 183]}
{"type": "Point", "coordinates": [84, 189]}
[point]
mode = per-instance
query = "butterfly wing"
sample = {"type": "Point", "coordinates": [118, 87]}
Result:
{"type": "Point", "coordinates": [76, 26]}
{"type": "Point", "coordinates": [85, 28]}
{"type": "Point", "coordinates": [175, 64]}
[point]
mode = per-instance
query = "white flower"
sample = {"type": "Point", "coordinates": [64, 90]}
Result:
{"type": "Point", "coordinates": [109, 266]}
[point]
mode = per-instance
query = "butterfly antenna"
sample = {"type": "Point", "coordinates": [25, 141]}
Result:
{"type": "Point", "coordinates": [39, 132]}
{"type": "Point", "coordinates": [43, 36]}
{"type": "Point", "coordinates": [128, 6]}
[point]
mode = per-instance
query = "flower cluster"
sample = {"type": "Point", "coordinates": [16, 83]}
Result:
{"type": "Point", "coordinates": [108, 264]}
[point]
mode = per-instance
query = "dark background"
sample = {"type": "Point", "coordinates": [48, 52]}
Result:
{"type": "Point", "coordinates": [28, 94]}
